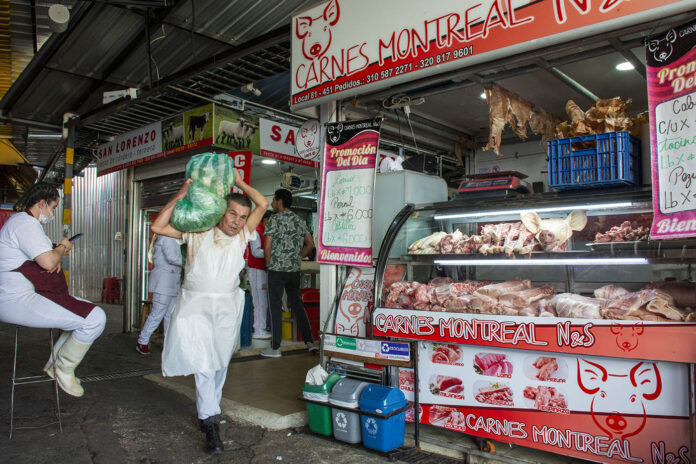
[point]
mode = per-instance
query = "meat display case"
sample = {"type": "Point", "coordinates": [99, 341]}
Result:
{"type": "Point", "coordinates": [514, 345]}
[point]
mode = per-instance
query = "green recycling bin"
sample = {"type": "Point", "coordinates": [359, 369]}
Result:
{"type": "Point", "coordinates": [320, 416]}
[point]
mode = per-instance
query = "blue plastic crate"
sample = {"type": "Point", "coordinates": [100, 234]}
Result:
{"type": "Point", "coordinates": [600, 160]}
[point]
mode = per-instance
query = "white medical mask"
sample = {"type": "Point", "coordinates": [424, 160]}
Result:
{"type": "Point", "coordinates": [43, 219]}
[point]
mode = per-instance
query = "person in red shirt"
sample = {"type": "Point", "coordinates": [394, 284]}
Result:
{"type": "Point", "coordinates": [258, 280]}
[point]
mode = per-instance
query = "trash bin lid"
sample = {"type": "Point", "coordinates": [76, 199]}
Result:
{"type": "Point", "coordinates": [324, 388]}
{"type": "Point", "coordinates": [382, 400]}
{"type": "Point", "coordinates": [347, 391]}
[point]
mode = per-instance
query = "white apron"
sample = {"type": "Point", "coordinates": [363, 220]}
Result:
{"type": "Point", "coordinates": [206, 320]}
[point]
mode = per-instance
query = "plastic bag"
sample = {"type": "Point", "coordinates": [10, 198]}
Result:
{"type": "Point", "coordinates": [204, 204]}
{"type": "Point", "coordinates": [316, 375]}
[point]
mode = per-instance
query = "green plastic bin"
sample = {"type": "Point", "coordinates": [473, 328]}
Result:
{"type": "Point", "coordinates": [320, 416]}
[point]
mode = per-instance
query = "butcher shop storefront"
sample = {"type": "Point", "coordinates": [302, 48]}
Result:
{"type": "Point", "coordinates": [551, 302]}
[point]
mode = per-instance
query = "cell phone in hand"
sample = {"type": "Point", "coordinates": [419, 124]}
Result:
{"type": "Point", "coordinates": [75, 237]}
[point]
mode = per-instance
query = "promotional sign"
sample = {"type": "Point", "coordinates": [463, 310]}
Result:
{"type": "Point", "coordinates": [278, 142]}
{"type": "Point", "coordinates": [130, 149]}
{"type": "Point", "coordinates": [356, 303]}
{"type": "Point", "coordinates": [199, 126]}
{"type": "Point", "coordinates": [308, 144]}
{"type": "Point", "coordinates": [671, 69]}
{"type": "Point", "coordinates": [362, 347]}
{"type": "Point", "coordinates": [234, 130]}
{"type": "Point", "coordinates": [242, 160]}
{"type": "Point", "coordinates": [602, 409]}
{"type": "Point", "coordinates": [173, 139]}
{"type": "Point", "coordinates": [347, 187]}
{"type": "Point", "coordinates": [601, 337]}
{"type": "Point", "coordinates": [342, 48]}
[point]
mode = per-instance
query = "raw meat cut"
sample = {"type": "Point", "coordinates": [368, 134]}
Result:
{"type": "Point", "coordinates": [577, 306]}
{"type": "Point", "coordinates": [498, 394]}
{"type": "Point", "coordinates": [626, 232]}
{"type": "Point", "coordinates": [506, 107]}
{"type": "Point", "coordinates": [520, 299]}
{"type": "Point", "coordinates": [647, 304]}
{"type": "Point", "coordinates": [446, 354]}
{"type": "Point", "coordinates": [610, 292]}
{"type": "Point", "coordinates": [683, 292]}
{"type": "Point", "coordinates": [493, 364]}
{"type": "Point", "coordinates": [546, 367]}
{"type": "Point", "coordinates": [495, 290]}
{"type": "Point", "coordinates": [443, 416]}
{"type": "Point", "coordinates": [546, 397]}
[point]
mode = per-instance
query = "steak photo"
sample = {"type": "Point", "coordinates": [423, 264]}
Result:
{"type": "Point", "coordinates": [497, 394]}
{"type": "Point", "coordinates": [492, 364]}
{"type": "Point", "coordinates": [443, 416]}
{"type": "Point", "coordinates": [446, 354]}
{"type": "Point", "coordinates": [445, 384]}
{"type": "Point", "coordinates": [546, 366]}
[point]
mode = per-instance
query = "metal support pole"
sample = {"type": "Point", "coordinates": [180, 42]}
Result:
{"type": "Point", "coordinates": [67, 195]}
{"type": "Point", "coordinates": [149, 53]}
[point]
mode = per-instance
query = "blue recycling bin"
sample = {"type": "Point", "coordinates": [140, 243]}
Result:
{"type": "Point", "coordinates": [382, 434]}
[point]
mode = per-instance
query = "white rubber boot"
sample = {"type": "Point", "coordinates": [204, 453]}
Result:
{"type": "Point", "coordinates": [48, 368]}
{"type": "Point", "coordinates": [67, 359]}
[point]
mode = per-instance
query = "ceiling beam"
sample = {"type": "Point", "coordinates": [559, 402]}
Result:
{"type": "Point", "coordinates": [42, 58]}
{"type": "Point", "coordinates": [630, 57]}
{"type": "Point", "coordinates": [266, 40]}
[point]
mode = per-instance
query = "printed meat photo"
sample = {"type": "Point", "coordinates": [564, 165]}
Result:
{"type": "Point", "coordinates": [546, 368]}
{"type": "Point", "coordinates": [440, 384]}
{"type": "Point", "coordinates": [498, 394]}
{"type": "Point", "coordinates": [442, 416]}
{"type": "Point", "coordinates": [406, 379]}
{"type": "Point", "coordinates": [411, 413]}
{"type": "Point", "coordinates": [446, 354]}
{"type": "Point", "coordinates": [492, 364]}
{"type": "Point", "coordinates": [546, 399]}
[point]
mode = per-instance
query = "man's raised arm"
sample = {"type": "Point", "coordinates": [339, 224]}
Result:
{"type": "Point", "coordinates": [161, 224]}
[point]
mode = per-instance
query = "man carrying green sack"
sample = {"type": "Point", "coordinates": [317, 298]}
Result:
{"type": "Point", "coordinates": [213, 176]}
{"type": "Point", "coordinates": [206, 320]}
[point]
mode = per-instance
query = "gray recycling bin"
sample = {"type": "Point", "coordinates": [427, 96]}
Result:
{"type": "Point", "coordinates": [346, 424]}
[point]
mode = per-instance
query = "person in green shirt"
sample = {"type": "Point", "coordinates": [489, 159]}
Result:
{"type": "Point", "coordinates": [286, 241]}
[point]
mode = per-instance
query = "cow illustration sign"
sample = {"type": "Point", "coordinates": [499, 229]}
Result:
{"type": "Point", "coordinates": [595, 408]}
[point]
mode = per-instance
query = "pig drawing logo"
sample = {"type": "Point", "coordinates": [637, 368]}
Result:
{"type": "Point", "coordinates": [315, 33]}
{"type": "Point", "coordinates": [351, 315]}
{"type": "Point", "coordinates": [627, 336]}
{"type": "Point", "coordinates": [627, 391]}
{"type": "Point", "coordinates": [334, 131]}
{"type": "Point", "coordinates": [662, 48]}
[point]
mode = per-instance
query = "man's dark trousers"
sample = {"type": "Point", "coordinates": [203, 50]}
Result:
{"type": "Point", "coordinates": [290, 282]}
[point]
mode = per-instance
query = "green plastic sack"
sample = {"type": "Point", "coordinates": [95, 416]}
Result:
{"type": "Point", "coordinates": [204, 204]}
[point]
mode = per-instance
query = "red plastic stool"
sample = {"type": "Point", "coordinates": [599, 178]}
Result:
{"type": "Point", "coordinates": [111, 290]}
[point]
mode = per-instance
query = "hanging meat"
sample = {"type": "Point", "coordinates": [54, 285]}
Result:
{"type": "Point", "coordinates": [506, 107]}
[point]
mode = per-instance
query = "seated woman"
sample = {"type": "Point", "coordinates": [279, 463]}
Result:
{"type": "Point", "coordinates": [33, 291]}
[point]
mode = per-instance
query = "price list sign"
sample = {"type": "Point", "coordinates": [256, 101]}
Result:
{"type": "Point", "coordinates": [348, 181]}
{"type": "Point", "coordinates": [671, 72]}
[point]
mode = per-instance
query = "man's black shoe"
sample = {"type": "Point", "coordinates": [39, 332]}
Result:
{"type": "Point", "coordinates": [213, 444]}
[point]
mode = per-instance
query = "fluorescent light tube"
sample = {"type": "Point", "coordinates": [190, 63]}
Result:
{"type": "Point", "coordinates": [542, 262]}
{"type": "Point", "coordinates": [533, 210]}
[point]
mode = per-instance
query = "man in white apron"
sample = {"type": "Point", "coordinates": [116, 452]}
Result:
{"type": "Point", "coordinates": [205, 324]}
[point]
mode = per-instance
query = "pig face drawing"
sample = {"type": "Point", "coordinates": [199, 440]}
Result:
{"type": "Point", "coordinates": [627, 391]}
{"type": "Point", "coordinates": [662, 48]}
{"type": "Point", "coordinates": [350, 317]}
{"type": "Point", "coordinates": [627, 335]}
{"type": "Point", "coordinates": [308, 134]}
{"type": "Point", "coordinates": [335, 132]}
{"type": "Point", "coordinates": [316, 32]}
{"type": "Point", "coordinates": [553, 234]}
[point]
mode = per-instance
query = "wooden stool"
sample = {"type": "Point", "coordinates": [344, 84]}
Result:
{"type": "Point", "coordinates": [15, 381]}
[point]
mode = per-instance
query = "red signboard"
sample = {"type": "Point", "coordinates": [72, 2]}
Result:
{"type": "Point", "coordinates": [599, 337]}
{"type": "Point", "coordinates": [342, 48]}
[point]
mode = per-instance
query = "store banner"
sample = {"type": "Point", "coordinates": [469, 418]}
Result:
{"type": "Point", "coordinates": [242, 160]}
{"type": "Point", "coordinates": [671, 73]}
{"type": "Point", "coordinates": [341, 48]}
{"type": "Point", "coordinates": [356, 302]}
{"type": "Point", "coordinates": [130, 149]}
{"type": "Point", "coordinates": [596, 408]}
{"type": "Point", "coordinates": [234, 130]}
{"type": "Point", "coordinates": [347, 188]}
{"type": "Point", "coordinates": [599, 337]}
{"type": "Point", "coordinates": [278, 142]}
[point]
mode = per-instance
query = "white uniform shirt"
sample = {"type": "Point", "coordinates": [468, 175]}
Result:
{"type": "Point", "coordinates": [21, 239]}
